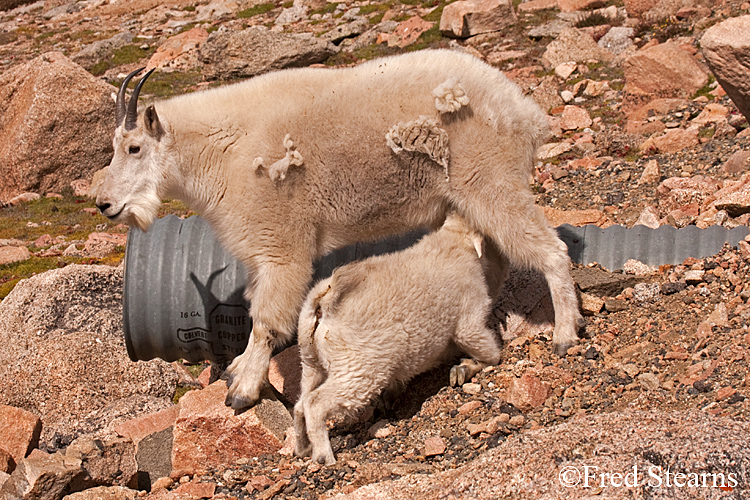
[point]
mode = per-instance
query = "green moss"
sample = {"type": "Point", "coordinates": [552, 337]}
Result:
{"type": "Point", "coordinates": [382, 8]}
{"type": "Point", "coordinates": [429, 39]}
{"type": "Point", "coordinates": [706, 89]}
{"type": "Point", "coordinates": [163, 84]}
{"type": "Point", "coordinates": [189, 8]}
{"type": "Point", "coordinates": [88, 36]}
{"type": "Point", "coordinates": [256, 10]}
{"type": "Point", "coordinates": [328, 8]}
{"type": "Point", "coordinates": [707, 132]}
{"type": "Point", "coordinates": [287, 5]}
{"type": "Point", "coordinates": [591, 19]}
{"type": "Point", "coordinates": [364, 54]}
{"type": "Point", "coordinates": [180, 391]}
{"type": "Point", "coordinates": [434, 15]}
{"type": "Point", "coordinates": [11, 274]}
{"type": "Point", "coordinates": [127, 54]}
{"type": "Point", "coordinates": [196, 369]}
{"type": "Point", "coordinates": [422, 3]}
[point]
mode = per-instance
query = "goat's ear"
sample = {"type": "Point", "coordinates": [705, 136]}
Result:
{"type": "Point", "coordinates": [478, 241]}
{"type": "Point", "coordinates": [151, 122]}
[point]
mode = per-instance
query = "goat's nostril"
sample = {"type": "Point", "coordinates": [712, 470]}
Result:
{"type": "Point", "coordinates": [103, 207]}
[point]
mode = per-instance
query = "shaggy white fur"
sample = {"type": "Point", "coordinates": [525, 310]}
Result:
{"type": "Point", "coordinates": [377, 323]}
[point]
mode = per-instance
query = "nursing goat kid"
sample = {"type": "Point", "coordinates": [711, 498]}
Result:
{"type": "Point", "coordinates": [375, 324]}
{"type": "Point", "coordinates": [291, 165]}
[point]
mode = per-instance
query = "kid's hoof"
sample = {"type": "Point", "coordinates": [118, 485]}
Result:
{"type": "Point", "coordinates": [459, 375]}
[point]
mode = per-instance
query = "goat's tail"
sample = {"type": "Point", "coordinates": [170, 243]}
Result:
{"type": "Point", "coordinates": [342, 282]}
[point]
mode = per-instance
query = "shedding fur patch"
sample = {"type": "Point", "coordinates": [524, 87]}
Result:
{"type": "Point", "coordinates": [278, 169]}
{"type": "Point", "coordinates": [450, 96]}
{"type": "Point", "coordinates": [422, 135]}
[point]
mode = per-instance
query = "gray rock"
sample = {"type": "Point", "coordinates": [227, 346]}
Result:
{"type": "Point", "coordinates": [95, 52]}
{"type": "Point", "coordinates": [348, 30]}
{"type": "Point", "coordinates": [726, 47]}
{"type": "Point", "coordinates": [291, 15]}
{"type": "Point", "coordinates": [258, 50]}
{"type": "Point", "coordinates": [546, 94]}
{"type": "Point", "coordinates": [603, 283]}
{"type": "Point", "coordinates": [533, 465]}
{"type": "Point", "coordinates": [154, 457]}
{"type": "Point", "coordinates": [573, 45]}
{"type": "Point", "coordinates": [617, 40]}
{"type": "Point", "coordinates": [56, 123]}
{"type": "Point", "coordinates": [551, 29]}
{"type": "Point", "coordinates": [63, 353]}
{"type": "Point", "coordinates": [369, 37]}
{"type": "Point", "coordinates": [70, 8]}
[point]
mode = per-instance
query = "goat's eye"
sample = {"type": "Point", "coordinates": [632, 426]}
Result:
{"type": "Point", "coordinates": [133, 150]}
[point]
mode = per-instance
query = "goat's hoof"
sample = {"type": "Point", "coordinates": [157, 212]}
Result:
{"type": "Point", "coordinates": [238, 401]}
{"type": "Point", "coordinates": [562, 349]}
{"type": "Point", "coordinates": [324, 459]}
{"type": "Point", "coordinates": [459, 375]}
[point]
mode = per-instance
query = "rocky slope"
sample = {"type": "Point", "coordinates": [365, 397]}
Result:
{"type": "Point", "coordinates": [645, 99]}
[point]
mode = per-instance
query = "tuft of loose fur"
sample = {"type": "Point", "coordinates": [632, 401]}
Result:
{"type": "Point", "coordinates": [450, 96]}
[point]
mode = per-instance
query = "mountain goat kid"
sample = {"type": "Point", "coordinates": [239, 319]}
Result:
{"type": "Point", "coordinates": [376, 323]}
{"type": "Point", "coordinates": [291, 165]}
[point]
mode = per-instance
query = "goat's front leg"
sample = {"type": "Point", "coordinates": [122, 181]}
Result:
{"type": "Point", "coordinates": [274, 306]}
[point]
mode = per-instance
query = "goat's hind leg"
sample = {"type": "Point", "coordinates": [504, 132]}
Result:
{"type": "Point", "coordinates": [312, 377]}
{"type": "Point", "coordinates": [335, 395]}
{"type": "Point", "coordinates": [475, 339]}
{"type": "Point", "coordinates": [522, 233]}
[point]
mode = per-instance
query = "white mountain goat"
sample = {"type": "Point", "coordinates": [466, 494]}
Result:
{"type": "Point", "coordinates": [376, 323]}
{"type": "Point", "coordinates": [293, 164]}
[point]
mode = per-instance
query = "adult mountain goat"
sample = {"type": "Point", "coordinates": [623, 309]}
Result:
{"type": "Point", "coordinates": [291, 165]}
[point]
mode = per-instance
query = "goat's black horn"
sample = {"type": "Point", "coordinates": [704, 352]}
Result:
{"type": "Point", "coordinates": [132, 113]}
{"type": "Point", "coordinates": [120, 105]}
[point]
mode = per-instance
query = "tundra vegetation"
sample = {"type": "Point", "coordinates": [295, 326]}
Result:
{"type": "Point", "coordinates": [293, 164]}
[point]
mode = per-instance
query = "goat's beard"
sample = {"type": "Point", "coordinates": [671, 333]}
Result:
{"type": "Point", "coordinates": [144, 211]}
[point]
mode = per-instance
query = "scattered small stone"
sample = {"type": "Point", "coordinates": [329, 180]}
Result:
{"type": "Point", "coordinates": [471, 388]}
{"type": "Point", "coordinates": [646, 292]}
{"type": "Point", "coordinates": [469, 407]}
{"type": "Point", "coordinates": [591, 353]}
{"type": "Point", "coordinates": [649, 381]}
{"type": "Point", "coordinates": [694, 276]}
{"type": "Point", "coordinates": [591, 304]}
{"type": "Point", "coordinates": [517, 420]}
{"type": "Point", "coordinates": [725, 393]}
{"type": "Point", "coordinates": [702, 386]}
{"type": "Point", "coordinates": [434, 446]}
{"type": "Point", "coordinates": [672, 288]}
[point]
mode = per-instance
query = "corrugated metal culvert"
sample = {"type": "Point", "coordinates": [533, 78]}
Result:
{"type": "Point", "coordinates": [183, 295]}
